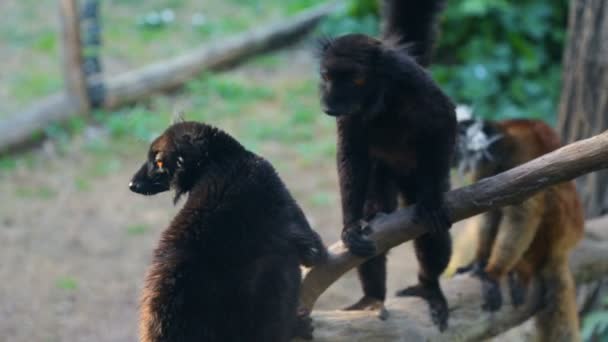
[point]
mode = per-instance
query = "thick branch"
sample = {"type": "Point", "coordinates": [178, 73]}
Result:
{"type": "Point", "coordinates": [409, 318]}
{"type": "Point", "coordinates": [503, 189]}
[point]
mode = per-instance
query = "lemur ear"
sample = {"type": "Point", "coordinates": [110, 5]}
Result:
{"type": "Point", "coordinates": [177, 117]}
{"type": "Point", "coordinates": [323, 44]}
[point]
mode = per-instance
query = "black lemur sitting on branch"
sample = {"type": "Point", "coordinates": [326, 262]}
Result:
{"type": "Point", "coordinates": [227, 267]}
{"type": "Point", "coordinates": [396, 134]}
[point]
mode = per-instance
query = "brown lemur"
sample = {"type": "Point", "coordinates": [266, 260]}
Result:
{"type": "Point", "coordinates": [227, 267]}
{"type": "Point", "coordinates": [532, 238]}
{"type": "Point", "coordinates": [396, 133]}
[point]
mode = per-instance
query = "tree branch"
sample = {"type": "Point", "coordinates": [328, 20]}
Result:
{"type": "Point", "coordinates": [409, 318]}
{"type": "Point", "coordinates": [503, 189]}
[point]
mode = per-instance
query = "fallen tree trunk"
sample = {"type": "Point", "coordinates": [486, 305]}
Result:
{"type": "Point", "coordinates": [25, 126]}
{"type": "Point", "coordinates": [409, 317]}
{"type": "Point", "coordinates": [503, 189]}
{"type": "Point", "coordinates": [136, 85]}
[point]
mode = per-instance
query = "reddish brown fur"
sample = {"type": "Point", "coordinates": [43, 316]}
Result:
{"type": "Point", "coordinates": [535, 237]}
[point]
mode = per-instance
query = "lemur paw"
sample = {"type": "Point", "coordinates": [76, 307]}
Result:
{"type": "Point", "coordinates": [475, 268]}
{"type": "Point", "coordinates": [356, 240]}
{"type": "Point", "coordinates": [492, 298]}
{"type": "Point", "coordinates": [314, 256]}
{"type": "Point", "coordinates": [517, 289]}
{"type": "Point", "coordinates": [303, 327]}
{"type": "Point", "coordinates": [370, 304]}
{"type": "Point", "coordinates": [434, 297]}
{"type": "Point", "coordinates": [437, 218]}
{"type": "Point", "coordinates": [439, 311]}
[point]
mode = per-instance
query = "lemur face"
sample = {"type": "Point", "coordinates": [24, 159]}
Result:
{"type": "Point", "coordinates": [174, 161]}
{"type": "Point", "coordinates": [347, 81]}
{"type": "Point", "coordinates": [475, 140]}
{"type": "Point", "coordinates": [157, 172]}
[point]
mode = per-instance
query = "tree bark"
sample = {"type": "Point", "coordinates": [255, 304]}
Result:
{"type": "Point", "coordinates": [583, 110]}
{"type": "Point", "coordinates": [503, 189]}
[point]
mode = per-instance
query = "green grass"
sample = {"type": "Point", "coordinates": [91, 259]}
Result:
{"type": "Point", "coordinates": [31, 37]}
{"type": "Point", "coordinates": [41, 192]}
{"type": "Point", "coordinates": [261, 110]}
{"type": "Point", "coordinates": [264, 111]}
{"type": "Point", "coordinates": [105, 166]}
{"type": "Point", "coordinates": [280, 111]}
{"type": "Point", "coordinates": [46, 42]}
{"type": "Point", "coordinates": [32, 84]}
{"type": "Point", "coordinates": [267, 61]}
{"type": "Point", "coordinates": [67, 283]}
{"type": "Point", "coordinates": [137, 229]}
{"type": "Point", "coordinates": [82, 184]}
{"type": "Point", "coordinates": [8, 163]}
{"type": "Point", "coordinates": [322, 199]}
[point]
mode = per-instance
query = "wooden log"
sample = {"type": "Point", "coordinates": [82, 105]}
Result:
{"type": "Point", "coordinates": [139, 84]}
{"type": "Point", "coordinates": [22, 129]}
{"type": "Point", "coordinates": [503, 189]}
{"type": "Point", "coordinates": [409, 317]}
{"type": "Point", "coordinates": [73, 74]}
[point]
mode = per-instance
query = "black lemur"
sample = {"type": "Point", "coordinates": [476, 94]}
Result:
{"type": "Point", "coordinates": [396, 134]}
{"type": "Point", "coordinates": [227, 267]}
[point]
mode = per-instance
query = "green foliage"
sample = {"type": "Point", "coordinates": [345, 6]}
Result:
{"type": "Point", "coordinates": [355, 16]}
{"type": "Point", "coordinates": [363, 8]}
{"type": "Point", "coordinates": [295, 6]}
{"type": "Point", "coordinates": [503, 57]}
{"type": "Point", "coordinates": [595, 324]}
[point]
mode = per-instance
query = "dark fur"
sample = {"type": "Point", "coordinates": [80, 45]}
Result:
{"type": "Point", "coordinates": [227, 267]}
{"type": "Point", "coordinates": [396, 134]}
{"type": "Point", "coordinates": [413, 23]}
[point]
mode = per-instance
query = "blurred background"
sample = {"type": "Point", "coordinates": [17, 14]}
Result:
{"type": "Point", "coordinates": [75, 243]}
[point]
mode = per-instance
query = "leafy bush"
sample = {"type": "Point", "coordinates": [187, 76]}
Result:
{"type": "Point", "coordinates": [502, 57]}
{"type": "Point", "coordinates": [360, 16]}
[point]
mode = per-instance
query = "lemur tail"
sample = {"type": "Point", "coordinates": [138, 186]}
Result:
{"type": "Point", "coordinates": [412, 23]}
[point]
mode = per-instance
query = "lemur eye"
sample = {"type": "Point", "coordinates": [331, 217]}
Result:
{"type": "Point", "coordinates": [160, 164]}
{"type": "Point", "coordinates": [359, 81]}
